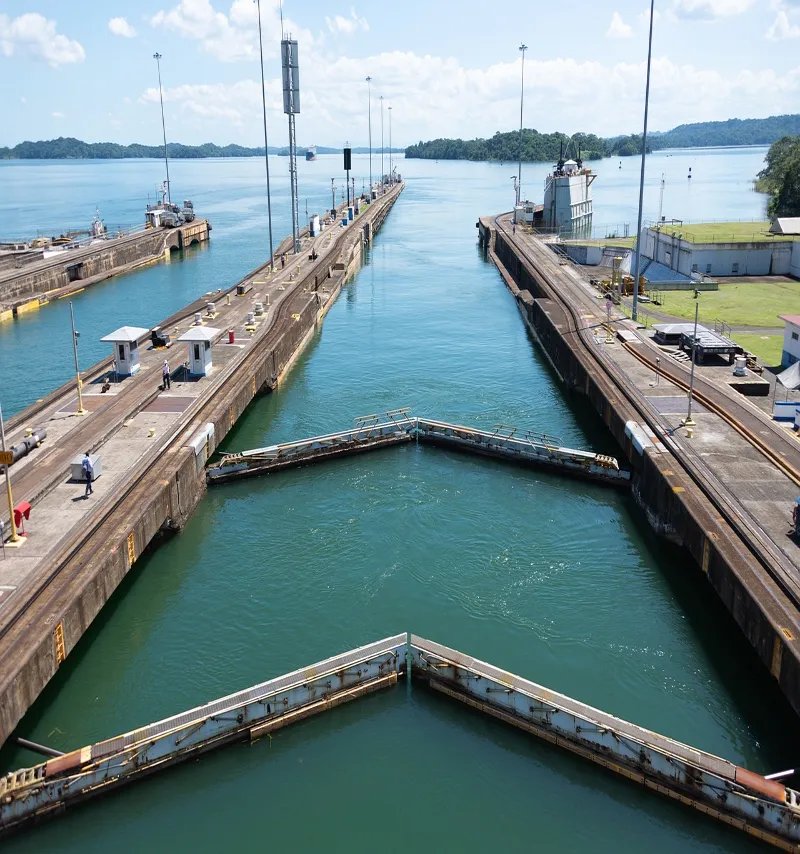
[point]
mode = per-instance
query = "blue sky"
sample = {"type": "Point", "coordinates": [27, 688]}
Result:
{"type": "Point", "coordinates": [85, 69]}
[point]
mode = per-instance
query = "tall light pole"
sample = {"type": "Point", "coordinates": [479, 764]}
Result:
{"type": "Point", "coordinates": [381, 143]}
{"type": "Point", "coordinates": [333, 198]}
{"type": "Point", "coordinates": [81, 410]}
{"type": "Point", "coordinates": [266, 143]}
{"type": "Point", "coordinates": [157, 58]}
{"type": "Point", "coordinates": [635, 309]}
{"type": "Point", "coordinates": [15, 539]}
{"type": "Point", "coordinates": [391, 170]}
{"type": "Point", "coordinates": [369, 118]}
{"type": "Point", "coordinates": [689, 421]}
{"type": "Point", "coordinates": [523, 48]}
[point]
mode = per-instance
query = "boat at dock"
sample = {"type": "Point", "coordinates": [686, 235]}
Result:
{"type": "Point", "coordinates": [311, 152]}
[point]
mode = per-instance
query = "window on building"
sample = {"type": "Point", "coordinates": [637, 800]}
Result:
{"type": "Point", "coordinates": [735, 267]}
{"type": "Point", "coordinates": [694, 268]}
{"type": "Point", "coordinates": [708, 268]}
{"type": "Point", "coordinates": [121, 352]}
{"type": "Point", "coordinates": [668, 259]}
{"type": "Point", "coordinates": [794, 336]}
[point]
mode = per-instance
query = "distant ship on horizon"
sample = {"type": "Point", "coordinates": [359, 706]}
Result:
{"type": "Point", "coordinates": [311, 152]}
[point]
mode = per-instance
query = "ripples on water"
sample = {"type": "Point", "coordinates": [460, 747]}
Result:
{"type": "Point", "coordinates": [555, 579]}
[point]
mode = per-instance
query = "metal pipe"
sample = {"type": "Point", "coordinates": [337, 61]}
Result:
{"type": "Point", "coordinates": [81, 410]}
{"type": "Point", "coordinates": [635, 309]}
{"type": "Point", "coordinates": [523, 48]}
{"type": "Point", "coordinates": [779, 775]}
{"type": "Point", "coordinates": [38, 748]}
{"type": "Point", "coordinates": [157, 57]}
{"type": "Point", "coordinates": [369, 119]}
{"type": "Point", "coordinates": [266, 144]}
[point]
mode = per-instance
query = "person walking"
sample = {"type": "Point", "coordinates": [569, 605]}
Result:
{"type": "Point", "coordinates": [88, 470]}
{"type": "Point", "coordinates": [165, 375]}
{"type": "Point", "coordinates": [283, 260]}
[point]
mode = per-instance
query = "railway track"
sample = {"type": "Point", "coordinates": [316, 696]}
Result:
{"type": "Point", "coordinates": [760, 545]}
{"type": "Point", "coordinates": [147, 474]}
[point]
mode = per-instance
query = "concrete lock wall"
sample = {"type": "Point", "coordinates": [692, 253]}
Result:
{"type": "Point", "coordinates": [674, 508]}
{"type": "Point", "coordinates": [164, 496]}
{"type": "Point", "coordinates": [794, 260]}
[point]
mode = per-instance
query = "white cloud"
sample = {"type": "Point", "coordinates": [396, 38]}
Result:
{"type": "Point", "coordinates": [33, 36]}
{"type": "Point", "coordinates": [340, 24]}
{"type": "Point", "coordinates": [23, 99]}
{"type": "Point", "coordinates": [57, 115]}
{"type": "Point", "coordinates": [709, 10]}
{"type": "Point", "coordinates": [121, 27]}
{"type": "Point", "coordinates": [782, 28]}
{"type": "Point", "coordinates": [230, 37]}
{"type": "Point", "coordinates": [433, 96]}
{"type": "Point", "coordinates": [618, 29]}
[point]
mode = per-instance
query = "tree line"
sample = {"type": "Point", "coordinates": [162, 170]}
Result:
{"type": "Point", "coordinates": [69, 148]}
{"type": "Point", "coordinates": [547, 146]}
{"type": "Point", "coordinates": [781, 177]}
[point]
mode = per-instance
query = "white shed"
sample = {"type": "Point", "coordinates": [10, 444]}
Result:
{"type": "Point", "coordinates": [126, 348]}
{"type": "Point", "coordinates": [786, 225]}
{"type": "Point", "coordinates": [199, 339]}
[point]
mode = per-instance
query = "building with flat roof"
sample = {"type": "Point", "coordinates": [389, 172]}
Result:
{"type": "Point", "coordinates": [722, 249]}
{"type": "Point", "coordinates": [791, 339]}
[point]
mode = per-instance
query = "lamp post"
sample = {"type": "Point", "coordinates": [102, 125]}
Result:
{"type": "Point", "coordinates": [635, 309]}
{"type": "Point", "coordinates": [381, 144]}
{"type": "Point", "coordinates": [523, 48]}
{"type": "Point", "coordinates": [75, 336]}
{"type": "Point", "coordinates": [369, 119]}
{"type": "Point", "coordinates": [333, 198]}
{"type": "Point", "coordinates": [391, 169]}
{"type": "Point", "coordinates": [688, 421]}
{"type": "Point", "coordinates": [157, 58]}
{"type": "Point", "coordinates": [266, 143]}
{"type": "Point", "coordinates": [15, 538]}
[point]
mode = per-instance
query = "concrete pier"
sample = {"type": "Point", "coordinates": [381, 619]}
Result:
{"type": "Point", "coordinates": [154, 444]}
{"type": "Point", "coordinates": [723, 487]}
{"type": "Point", "coordinates": [26, 287]}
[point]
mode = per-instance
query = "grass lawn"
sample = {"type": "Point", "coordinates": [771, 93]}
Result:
{"type": "Point", "coordinates": [768, 348]}
{"type": "Point", "coordinates": [608, 241]}
{"type": "Point", "coordinates": [725, 232]}
{"type": "Point", "coordinates": [737, 303]}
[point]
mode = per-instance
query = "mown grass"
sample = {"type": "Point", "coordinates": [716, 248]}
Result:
{"type": "Point", "coordinates": [737, 303]}
{"type": "Point", "coordinates": [725, 232]}
{"type": "Point", "coordinates": [768, 348]}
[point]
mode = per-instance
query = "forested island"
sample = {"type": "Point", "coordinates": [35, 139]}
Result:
{"type": "Point", "coordinates": [547, 146]}
{"type": "Point", "coordinates": [69, 148]}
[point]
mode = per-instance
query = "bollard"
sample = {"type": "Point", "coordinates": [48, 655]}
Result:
{"type": "Point", "coordinates": [228, 299]}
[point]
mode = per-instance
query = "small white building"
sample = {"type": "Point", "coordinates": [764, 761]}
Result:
{"type": "Point", "coordinates": [126, 348]}
{"type": "Point", "coordinates": [200, 339]}
{"type": "Point", "coordinates": [791, 339]}
{"type": "Point", "coordinates": [786, 225]}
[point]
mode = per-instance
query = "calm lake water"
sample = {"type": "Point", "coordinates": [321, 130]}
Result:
{"type": "Point", "coordinates": [558, 580]}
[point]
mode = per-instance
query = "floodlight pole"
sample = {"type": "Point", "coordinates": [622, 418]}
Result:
{"type": "Point", "coordinates": [81, 410]}
{"type": "Point", "coordinates": [637, 267]}
{"type": "Point", "coordinates": [688, 421]}
{"type": "Point", "coordinates": [381, 143]}
{"type": "Point", "coordinates": [15, 538]}
{"type": "Point", "coordinates": [266, 143]}
{"type": "Point", "coordinates": [523, 48]}
{"type": "Point", "coordinates": [369, 119]}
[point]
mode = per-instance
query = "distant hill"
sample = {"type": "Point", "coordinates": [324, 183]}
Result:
{"type": "Point", "coordinates": [69, 148]}
{"type": "Point", "coordinates": [544, 147]}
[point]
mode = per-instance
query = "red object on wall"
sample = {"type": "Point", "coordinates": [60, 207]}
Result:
{"type": "Point", "coordinates": [21, 512]}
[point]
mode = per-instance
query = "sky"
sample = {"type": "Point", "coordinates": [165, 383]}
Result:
{"type": "Point", "coordinates": [447, 68]}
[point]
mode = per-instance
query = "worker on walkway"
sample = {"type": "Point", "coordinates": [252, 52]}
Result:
{"type": "Point", "coordinates": [88, 470]}
{"type": "Point", "coordinates": [165, 375]}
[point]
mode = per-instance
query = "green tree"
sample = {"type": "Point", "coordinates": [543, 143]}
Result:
{"type": "Point", "coordinates": [781, 177]}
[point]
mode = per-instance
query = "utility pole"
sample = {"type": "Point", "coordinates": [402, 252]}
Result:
{"type": "Point", "coordinates": [369, 119]}
{"type": "Point", "coordinates": [291, 106]}
{"type": "Point", "coordinates": [157, 58]}
{"type": "Point", "coordinates": [638, 244]}
{"type": "Point", "coordinates": [75, 336]}
{"type": "Point", "coordinates": [523, 48]}
{"type": "Point", "coordinates": [15, 539]}
{"type": "Point", "coordinates": [391, 169]}
{"type": "Point", "coordinates": [688, 421]}
{"type": "Point", "coordinates": [266, 142]}
{"type": "Point", "coordinates": [381, 144]}
{"type": "Point", "coordinates": [333, 198]}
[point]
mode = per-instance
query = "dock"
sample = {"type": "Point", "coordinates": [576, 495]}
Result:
{"type": "Point", "coordinates": [520, 447]}
{"type": "Point", "coordinates": [723, 487]}
{"type": "Point", "coordinates": [27, 286]}
{"type": "Point", "coordinates": [760, 806]}
{"type": "Point", "coordinates": [153, 444]}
